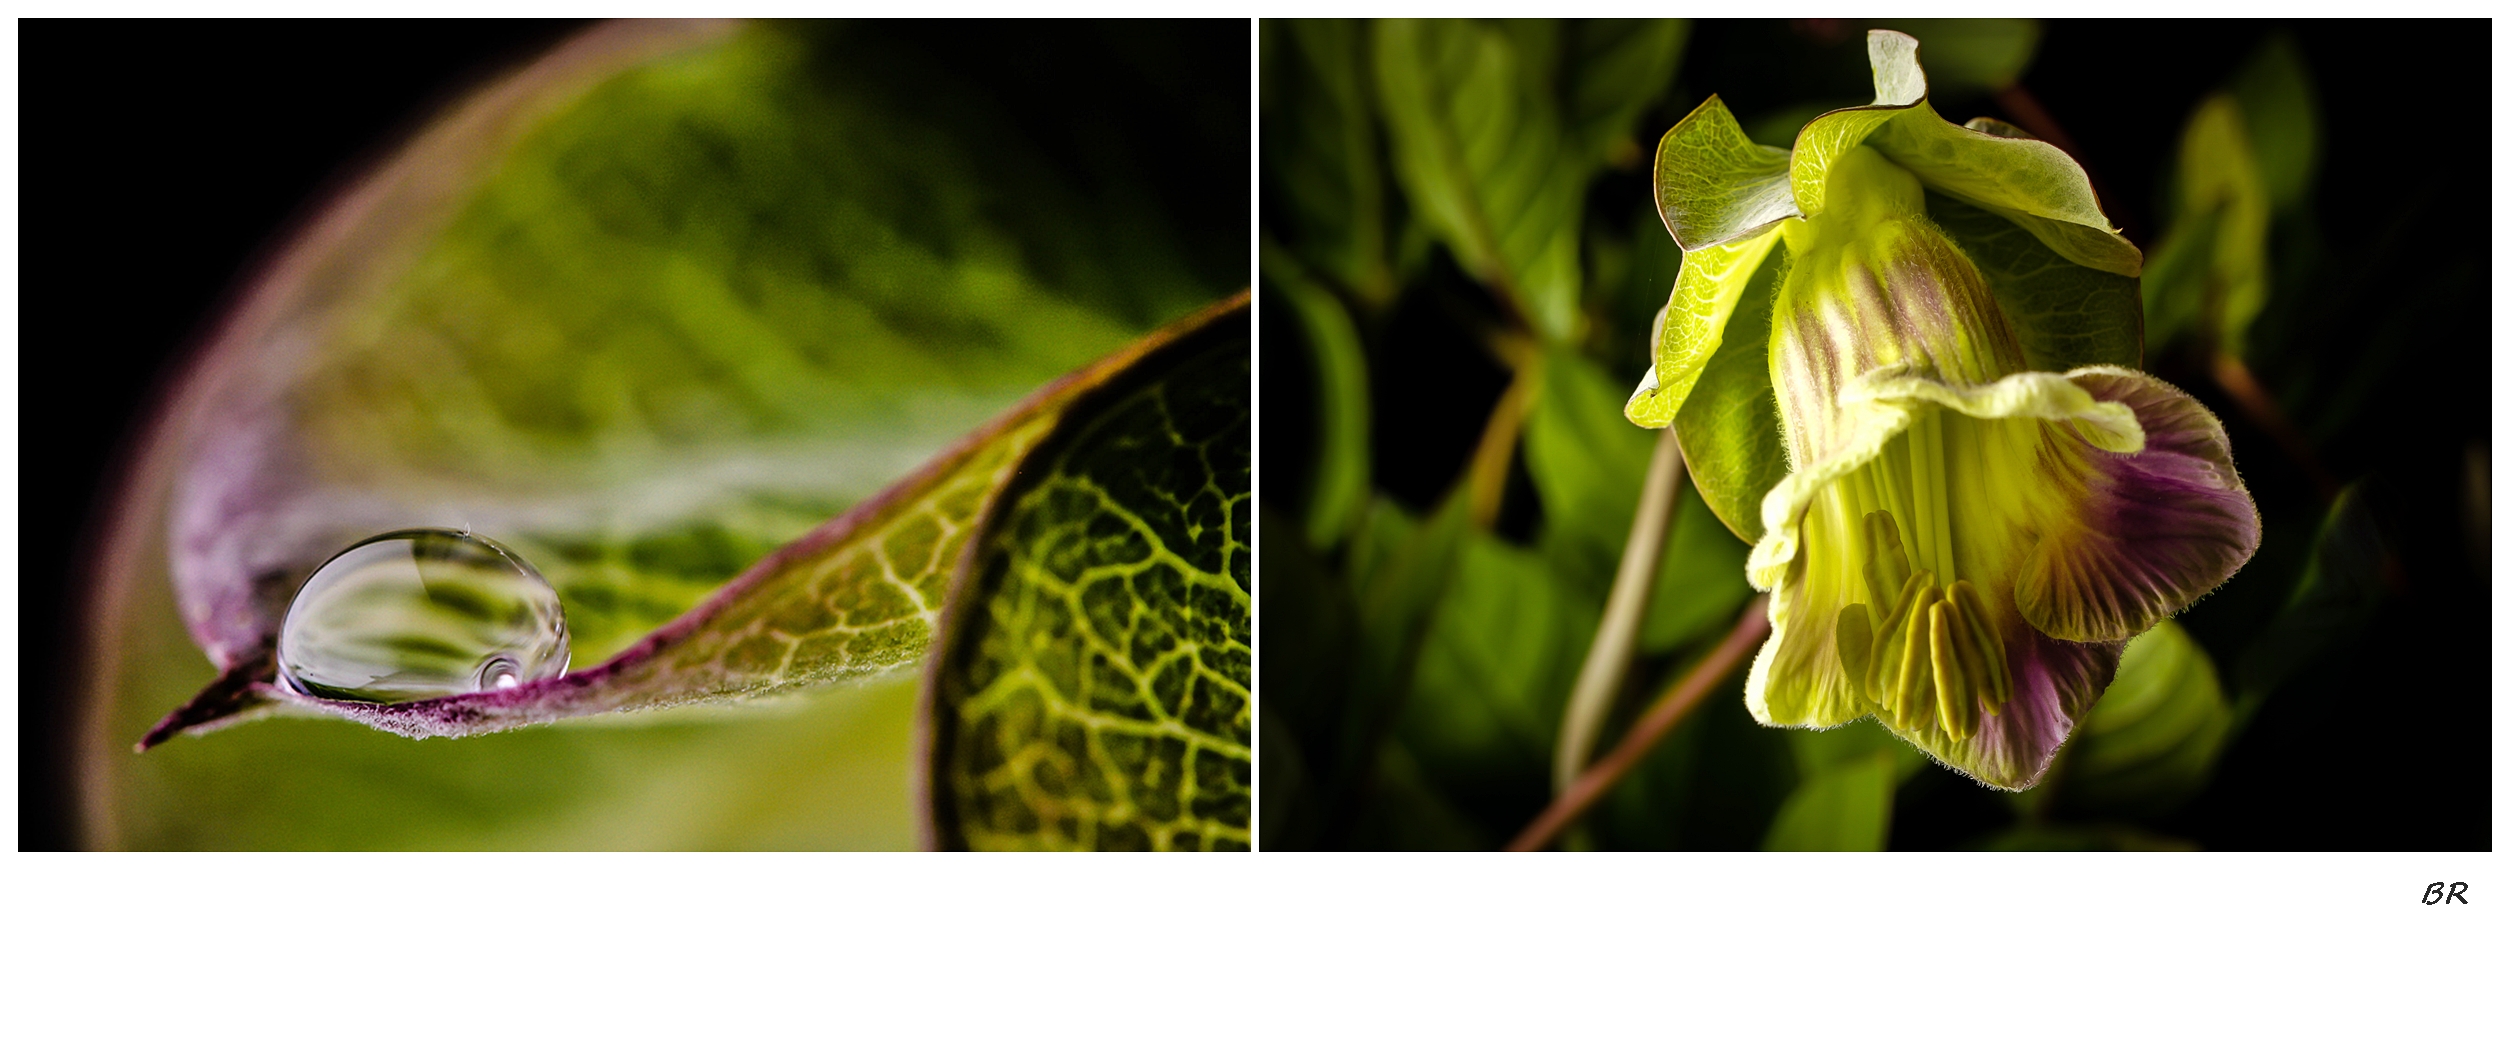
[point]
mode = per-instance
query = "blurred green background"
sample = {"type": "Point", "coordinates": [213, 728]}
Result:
{"type": "Point", "coordinates": [1461, 258]}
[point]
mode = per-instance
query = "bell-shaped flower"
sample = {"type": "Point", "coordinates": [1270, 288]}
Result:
{"type": "Point", "coordinates": [1980, 500]}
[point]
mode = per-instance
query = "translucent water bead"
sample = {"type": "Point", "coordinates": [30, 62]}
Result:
{"type": "Point", "coordinates": [421, 613]}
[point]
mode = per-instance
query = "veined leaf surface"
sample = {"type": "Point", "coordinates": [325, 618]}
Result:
{"type": "Point", "coordinates": [1094, 685]}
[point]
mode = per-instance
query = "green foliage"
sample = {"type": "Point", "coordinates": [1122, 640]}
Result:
{"type": "Point", "coordinates": [1094, 687]}
{"type": "Point", "coordinates": [2210, 276]}
{"type": "Point", "coordinates": [1843, 806]}
{"type": "Point", "coordinates": [1581, 457]}
{"type": "Point", "coordinates": [2152, 741]}
{"type": "Point", "coordinates": [1494, 130]}
{"type": "Point", "coordinates": [1333, 343]}
{"type": "Point", "coordinates": [1495, 670]}
{"type": "Point", "coordinates": [2342, 583]}
{"type": "Point", "coordinates": [2280, 109]}
{"type": "Point", "coordinates": [1321, 150]}
{"type": "Point", "coordinates": [2247, 158]}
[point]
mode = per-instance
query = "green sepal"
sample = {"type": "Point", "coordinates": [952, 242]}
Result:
{"type": "Point", "coordinates": [2032, 183]}
{"type": "Point", "coordinates": [1732, 439]}
{"type": "Point", "coordinates": [2064, 315]}
{"type": "Point", "coordinates": [1693, 323]}
{"type": "Point", "coordinates": [1714, 184]}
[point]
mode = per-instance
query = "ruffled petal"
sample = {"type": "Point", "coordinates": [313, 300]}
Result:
{"type": "Point", "coordinates": [2129, 539]}
{"type": "Point", "coordinates": [1799, 679]}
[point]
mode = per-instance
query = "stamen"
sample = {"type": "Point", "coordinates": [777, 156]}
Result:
{"type": "Point", "coordinates": [1956, 709]}
{"type": "Point", "coordinates": [1856, 647]}
{"type": "Point", "coordinates": [1913, 692]}
{"type": "Point", "coordinates": [1890, 638]}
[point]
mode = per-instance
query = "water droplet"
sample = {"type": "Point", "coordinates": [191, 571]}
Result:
{"type": "Point", "coordinates": [421, 613]}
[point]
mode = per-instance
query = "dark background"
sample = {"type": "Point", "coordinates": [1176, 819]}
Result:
{"type": "Point", "coordinates": [158, 163]}
{"type": "Point", "coordinates": [2383, 742]}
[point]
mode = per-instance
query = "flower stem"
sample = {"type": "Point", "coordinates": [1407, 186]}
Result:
{"type": "Point", "coordinates": [1608, 657]}
{"type": "Point", "coordinates": [1652, 728]}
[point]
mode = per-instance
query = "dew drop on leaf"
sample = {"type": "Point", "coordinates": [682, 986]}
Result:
{"type": "Point", "coordinates": [421, 613]}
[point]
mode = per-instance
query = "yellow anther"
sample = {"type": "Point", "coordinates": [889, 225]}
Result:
{"type": "Point", "coordinates": [1956, 708]}
{"type": "Point", "coordinates": [1890, 637]}
{"type": "Point", "coordinates": [1912, 692]}
{"type": "Point", "coordinates": [1856, 647]}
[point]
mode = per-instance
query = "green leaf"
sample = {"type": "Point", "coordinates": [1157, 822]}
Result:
{"type": "Point", "coordinates": [1819, 751]}
{"type": "Point", "coordinates": [1321, 151]}
{"type": "Point", "coordinates": [2214, 268]}
{"type": "Point", "coordinates": [2280, 108]}
{"type": "Point", "coordinates": [2064, 314]}
{"type": "Point", "coordinates": [1586, 464]}
{"type": "Point", "coordinates": [1700, 584]}
{"type": "Point", "coordinates": [1847, 778]}
{"type": "Point", "coordinates": [1333, 345]}
{"type": "Point", "coordinates": [647, 311]}
{"type": "Point", "coordinates": [2151, 742]}
{"type": "Point", "coordinates": [1399, 571]}
{"type": "Point", "coordinates": [1615, 69]}
{"type": "Point", "coordinates": [1480, 149]}
{"type": "Point", "coordinates": [1093, 685]}
{"type": "Point", "coordinates": [1714, 185]}
{"type": "Point", "coordinates": [1729, 427]}
{"type": "Point", "coordinates": [1715, 783]}
{"type": "Point", "coordinates": [1495, 672]}
{"type": "Point", "coordinates": [1306, 660]}
{"type": "Point", "coordinates": [2338, 592]}
{"type": "Point", "coordinates": [1406, 813]}
{"type": "Point", "coordinates": [1843, 807]}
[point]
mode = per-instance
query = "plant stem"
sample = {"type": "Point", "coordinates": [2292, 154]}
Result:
{"type": "Point", "coordinates": [1651, 730]}
{"type": "Point", "coordinates": [1608, 658]}
{"type": "Point", "coordinates": [1486, 477]}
